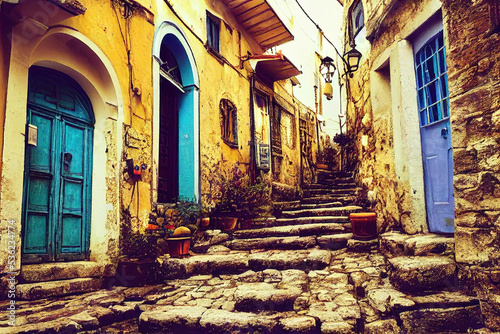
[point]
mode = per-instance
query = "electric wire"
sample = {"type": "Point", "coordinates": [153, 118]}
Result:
{"type": "Point", "coordinates": [319, 28]}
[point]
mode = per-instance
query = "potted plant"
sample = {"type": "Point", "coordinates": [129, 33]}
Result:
{"type": "Point", "coordinates": [238, 198]}
{"type": "Point", "coordinates": [179, 222]}
{"type": "Point", "coordinates": [137, 264]}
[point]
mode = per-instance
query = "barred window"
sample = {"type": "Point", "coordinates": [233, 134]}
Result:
{"type": "Point", "coordinates": [228, 123]}
{"type": "Point", "coordinates": [432, 81]}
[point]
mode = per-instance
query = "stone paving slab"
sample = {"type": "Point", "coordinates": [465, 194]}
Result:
{"type": "Point", "coordinates": [350, 292]}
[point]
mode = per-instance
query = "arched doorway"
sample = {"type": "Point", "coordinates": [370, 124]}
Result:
{"type": "Point", "coordinates": [58, 169]}
{"type": "Point", "coordinates": [176, 117]}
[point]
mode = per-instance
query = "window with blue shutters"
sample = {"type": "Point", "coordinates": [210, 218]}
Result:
{"type": "Point", "coordinates": [432, 81]}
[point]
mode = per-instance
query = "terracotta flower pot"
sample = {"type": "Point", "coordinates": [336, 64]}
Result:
{"type": "Point", "coordinates": [178, 246]}
{"type": "Point", "coordinates": [322, 166]}
{"type": "Point", "coordinates": [364, 225]}
{"type": "Point", "coordinates": [205, 222]}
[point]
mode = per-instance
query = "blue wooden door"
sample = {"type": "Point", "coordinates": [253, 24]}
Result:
{"type": "Point", "coordinates": [57, 181]}
{"type": "Point", "coordinates": [433, 101]}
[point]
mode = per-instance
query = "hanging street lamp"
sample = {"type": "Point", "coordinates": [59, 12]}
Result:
{"type": "Point", "coordinates": [327, 69]}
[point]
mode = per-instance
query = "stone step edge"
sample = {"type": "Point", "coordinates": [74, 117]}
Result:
{"type": "Point", "coordinates": [58, 271]}
{"type": "Point", "coordinates": [237, 262]}
{"type": "Point", "coordinates": [294, 230]}
{"type": "Point", "coordinates": [199, 319]}
{"type": "Point", "coordinates": [40, 290]}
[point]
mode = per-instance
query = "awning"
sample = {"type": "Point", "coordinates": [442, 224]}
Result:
{"type": "Point", "coordinates": [275, 67]}
{"type": "Point", "coordinates": [261, 21]}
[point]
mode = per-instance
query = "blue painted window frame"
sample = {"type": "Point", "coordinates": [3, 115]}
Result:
{"type": "Point", "coordinates": [357, 20]}
{"type": "Point", "coordinates": [432, 81]}
{"type": "Point", "coordinates": [213, 32]}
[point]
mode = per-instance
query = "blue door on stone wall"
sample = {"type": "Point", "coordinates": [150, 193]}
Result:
{"type": "Point", "coordinates": [433, 102]}
{"type": "Point", "coordinates": [58, 166]}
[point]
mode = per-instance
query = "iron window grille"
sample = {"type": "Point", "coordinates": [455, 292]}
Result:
{"type": "Point", "coordinates": [356, 19]}
{"type": "Point", "coordinates": [432, 81]}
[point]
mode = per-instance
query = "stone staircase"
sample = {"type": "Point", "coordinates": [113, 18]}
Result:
{"type": "Point", "coordinates": [299, 272]}
{"type": "Point", "coordinates": [423, 272]}
{"type": "Point", "coordinates": [57, 279]}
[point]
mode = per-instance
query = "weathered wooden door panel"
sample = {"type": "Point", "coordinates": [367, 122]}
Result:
{"type": "Point", "coordinates": [57, 190]}
{"type": "Point", "coordinates": [168, 175]}
{"type": "Point", "coordinates": [38, 189]}
{"type": "Point", "coordinates": [438, 176]}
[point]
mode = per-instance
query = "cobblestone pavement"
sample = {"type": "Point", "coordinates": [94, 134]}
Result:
{"type": "Point", "coordinates": [352, 294]}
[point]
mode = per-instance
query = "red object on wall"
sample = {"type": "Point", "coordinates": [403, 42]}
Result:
{"type": "Point", "coordinates": [364, 225]}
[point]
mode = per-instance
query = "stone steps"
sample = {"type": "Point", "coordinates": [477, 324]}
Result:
{"type": "Point", "coordinates": [38, 290]}
{"type": "Point", "coordinates": [232, 262]}
{"type": "Point", "coordinates": [345, 200]}
{"type": "Point", "coordinates": [311, 220]}
{"type": "Point", "coordinates": [293, 242]}
{"type": "Point", "coordinates": [291, 230]}
{"type": "Point", "coordinates": [335, 211]}
{"type": "Point", "coordinates": [394, 244]}
{"type": "Point", "coordinates": [55, 271]}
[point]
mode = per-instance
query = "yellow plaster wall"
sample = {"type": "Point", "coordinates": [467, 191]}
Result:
{"type": "Point", "coordinates": [4, 75]}
{"type": "Point", "coordinates": [127, 42]}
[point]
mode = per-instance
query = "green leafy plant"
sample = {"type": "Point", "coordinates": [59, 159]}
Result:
{"type": "Point", "coordinates": [134, 244]}
{"type": "Point", "coordinates": [342, 139]}
{"type": "Point", "coordinates": [236, 195]}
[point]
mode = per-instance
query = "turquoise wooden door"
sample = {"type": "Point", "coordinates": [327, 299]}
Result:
{"type": "Point", "coordinates": [57, 178]}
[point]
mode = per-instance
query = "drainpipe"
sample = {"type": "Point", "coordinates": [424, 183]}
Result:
{"type": "Point", "coordinates": [252, 165]}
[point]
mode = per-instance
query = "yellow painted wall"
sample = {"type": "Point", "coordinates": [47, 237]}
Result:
{"type": "Point", "coordinates": [4, 74]}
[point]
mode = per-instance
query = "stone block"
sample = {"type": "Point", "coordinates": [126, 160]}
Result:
{"type": "Point", "coordinates": [337, 328]}
{"type": "Point", "coordinates": [422, 273]}
{"type": "Point", "coordinates": [61, 270]}
{"type": "Point", "coordinates": [382, 327]}
{"type": "Point", "coordinates": [221, 321]}
{"type": "Point", "coordinates": [264, 296]}
{"type": "Point", "coordinates": [458, 319]}
{"type": "Point", "coordinates": [392, 244]}
{"type": "Point", "coordinates": [335, 241]}
{"type": "Point", "coordinates": [171, 320]}
{"type": "Point", "coordinates": [476, 245]}
{"type": "Point", "coordinates": [429, 244]}
{"type": "Point", "coordinates": [385, 300]}
{"type": "Point", "coordinates": [354, 245]}
{"type": "Point", "coordinates": [41, 290]}
{"type": "Point", "coordinates": [300, 324]}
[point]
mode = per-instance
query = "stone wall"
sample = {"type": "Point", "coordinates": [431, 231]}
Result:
{"type": "Point", "coordinates": [474, 82]}
{"type": "Point", "coordinates": [378, 110]}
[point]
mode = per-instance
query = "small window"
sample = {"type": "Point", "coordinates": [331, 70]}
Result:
{"type": "Point", "coordinates": [357, 20]}
{"type": "Point", "coordinates": [432, 81]}
{"type": "Point", "coordinates": [228, 123]}
{"type": "Point", "coordinates": [213, 32]}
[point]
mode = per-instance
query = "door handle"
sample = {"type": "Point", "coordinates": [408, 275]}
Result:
{"type": "Point", "coordinates": [67, 157]}
{"type": "Point", "coordinates": [444, 133]}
